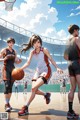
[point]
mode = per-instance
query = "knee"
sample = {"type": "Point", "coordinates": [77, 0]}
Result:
{"type": "Point", "coordinates": [34, 89]}
{"type": "Point", "coordinates": [73, 89]}
{"type": "Point", "coordinates": [71, 94]}
{"type": "Point", "coordinates": [10, 90]}
{"type": "Point", "coordinates": [6, 91]}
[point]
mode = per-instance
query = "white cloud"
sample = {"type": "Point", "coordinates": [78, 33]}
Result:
{"type": "Point", "coordinates": [36, 16]}
{"type": "Point", "coordinates": [78, 13]}
{"type": "Point", "coordinates": [78, 8]}
{"type": "Point", "coordinates": [61, 34]}
{"type": "Point", "coordinates": [72, 14]}
{"type": "Point", "coordinates": [56, 35]}
{"type": "Point", "coordinates": [59, 21]}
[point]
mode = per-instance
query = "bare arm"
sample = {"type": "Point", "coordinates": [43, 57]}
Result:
{"type": "Point", "coordinates": [1, 55]}
{"type": "Point", "coordinates": [78, 42]}
{"type": "Point", "coordinates": [52, 61]}
{"type": "Point", "coordinates": [17, 60]}
{"type": "Point", "coordinates": [50, 58]}
{"type": "Point", "coordinates": [28, 62]}
{"type": "Point", "coordinates": [66, 57]}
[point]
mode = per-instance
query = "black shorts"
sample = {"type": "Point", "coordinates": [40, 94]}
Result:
{"type": "Point", "coordinates": [43, 78]}
{"type": "Point", "coordinates": [74, 68]}
{"type": "Point", "coordinates": [6, 73]}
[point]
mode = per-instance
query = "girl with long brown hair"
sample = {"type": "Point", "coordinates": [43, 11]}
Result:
{"type": "Point", "coordinates": [43, 70]}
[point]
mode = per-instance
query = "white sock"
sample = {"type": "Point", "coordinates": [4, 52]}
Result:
{"type": "Point", "coordinates": [7, 100]}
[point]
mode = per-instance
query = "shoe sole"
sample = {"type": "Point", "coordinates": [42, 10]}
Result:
{"type": "Point", "coordinates": [23, 114]}
{"type": "Point", "coordinates": [7, 110]}
{"type": "Point", "coordinates": [49, 99]}
{"type": "Point", "coordinates": [72, 117]}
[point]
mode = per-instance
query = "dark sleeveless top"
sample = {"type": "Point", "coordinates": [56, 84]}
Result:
{"type": "Point", "coordinates": [10, 61]}
{"type": "Point", "coordinates": [73, 50]}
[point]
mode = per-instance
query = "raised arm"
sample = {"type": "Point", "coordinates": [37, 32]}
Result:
{"type": "Point", "coordinates": [28, 61]}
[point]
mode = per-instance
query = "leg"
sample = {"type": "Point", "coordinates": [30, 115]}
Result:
{"type": "Point", "coordinates": [71, 114]}
{"type": "Point", "coordinates": [78, 82]}
{"type": "Point", "coordinates": [17, 89]}
{"type": "Point", "coordinates": [46, 95]}
{"type": "Point", "coordinates": [72, 89]}
{"type": "Point", "coordinates": [7, 96]}
{"type": "Point", "coordinates": [60, 89]}
{"type": "Point", "coordinates": [65, 89]}
{"type": "Point", "coordinates": [35, 87]}
{"type": "Point", "coordinates": [10, 92]}
{"type": "Point", "coordinates": [39, 92]}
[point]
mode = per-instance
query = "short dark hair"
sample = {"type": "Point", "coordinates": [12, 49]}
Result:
{"type": "Point", "coordinates": [11, 39]}
{"type": "Point", "coordinates": [73, 27]}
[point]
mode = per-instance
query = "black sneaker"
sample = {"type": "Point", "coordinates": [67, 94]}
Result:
{"type": "Point", "coordinates": [72, 115]}
{"type": "Point", "coordinates": [7, 108]}
{"type": "Point", "coordinates": [47, 97]}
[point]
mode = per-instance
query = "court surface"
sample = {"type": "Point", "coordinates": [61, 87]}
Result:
{"type": "Point", "coordinates": [38, 110]}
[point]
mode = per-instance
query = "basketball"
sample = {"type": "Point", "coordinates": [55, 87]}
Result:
{"type": "Point", "coordinates": [17, 74]}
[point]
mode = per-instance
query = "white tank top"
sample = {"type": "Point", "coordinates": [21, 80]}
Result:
{"type": "Point", "coordinates": [40, 61]}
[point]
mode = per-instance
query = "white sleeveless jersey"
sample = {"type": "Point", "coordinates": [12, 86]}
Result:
{"type": "Point", "coordinates": [41, 63]}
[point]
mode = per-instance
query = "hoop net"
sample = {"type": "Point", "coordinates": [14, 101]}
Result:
{"type": "Point", "coordinates": [9, 4]}
{"type": "Point", "coordinates": [2, 0]}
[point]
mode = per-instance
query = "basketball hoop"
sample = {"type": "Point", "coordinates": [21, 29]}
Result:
{"type": "Point", "coordinates": [9, 4]}
{"type": "Point", "coordinates": [2, 0]}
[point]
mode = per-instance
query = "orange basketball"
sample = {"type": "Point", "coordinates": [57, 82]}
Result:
{"type": "Point", "coordinates": [17, 74]}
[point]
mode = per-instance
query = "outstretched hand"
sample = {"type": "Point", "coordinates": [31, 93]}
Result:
{"type": "Point", "coordinates": [59, 70]}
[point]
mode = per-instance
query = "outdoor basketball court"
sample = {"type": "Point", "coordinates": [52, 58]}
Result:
{"type": "Point", "coordinates": [38, 109]}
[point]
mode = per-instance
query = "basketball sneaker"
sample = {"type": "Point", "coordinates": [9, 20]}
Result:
{"type": "Point", "coordinates": [10, 106]}
{"type": "Point", "coordinates": [7, 108]}
{"type": "Point", "coordinates": [47, 97]}
{"type": "Point", "coordinates": [23, 111]}
{"type": "Point", "coordinates": [72, 115]}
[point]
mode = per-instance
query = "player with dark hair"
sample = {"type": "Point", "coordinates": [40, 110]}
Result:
{"type": "Point", "coordinates": [72, 55]}
{"type": "Point", "coordinates": [9, 58]}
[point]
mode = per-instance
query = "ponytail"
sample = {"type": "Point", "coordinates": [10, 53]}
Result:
{"type": "Point", "coordinates": [27, 47]}
{"type": "Point", "coordinates": [32, 40]}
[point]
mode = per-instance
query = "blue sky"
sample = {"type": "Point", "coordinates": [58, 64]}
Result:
{"type": "Point", "coordinates": [64, 14]}
{"type": "Point", "coordinates": [44, 17]}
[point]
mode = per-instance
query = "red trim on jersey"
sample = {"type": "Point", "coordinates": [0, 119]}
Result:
{"type": "Point", "coordinates": [49, 68]}
{"type": "Point", "coordinates": [78, 50]}
{"type": "Point", "coordinates": [48, 73]}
